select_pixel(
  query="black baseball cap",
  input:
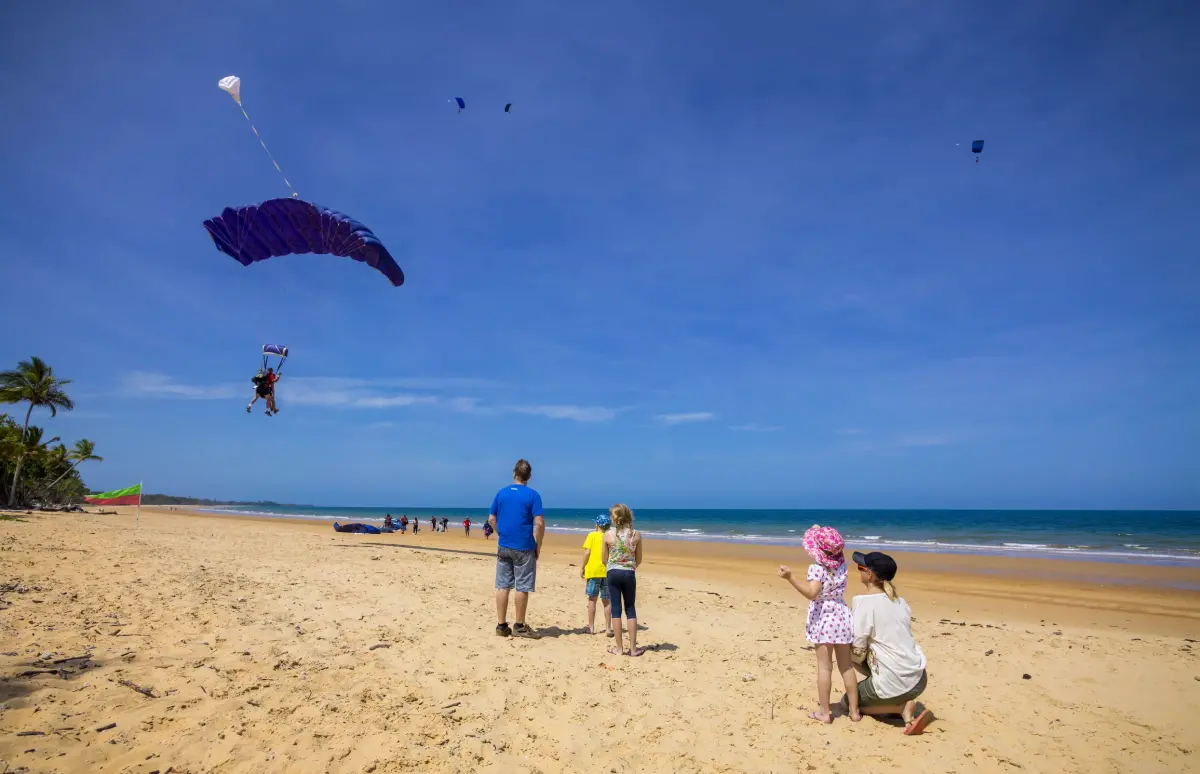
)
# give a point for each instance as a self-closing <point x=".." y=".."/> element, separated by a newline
<point x="882" y="565"/>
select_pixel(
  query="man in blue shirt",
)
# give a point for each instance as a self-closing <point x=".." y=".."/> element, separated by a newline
<point x="520" y="525"/>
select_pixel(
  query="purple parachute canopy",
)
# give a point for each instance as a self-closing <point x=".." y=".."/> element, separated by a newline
<point x="290" y="226"/>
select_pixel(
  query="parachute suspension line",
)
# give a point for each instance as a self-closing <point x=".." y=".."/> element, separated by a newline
<point x="265" y="148"/>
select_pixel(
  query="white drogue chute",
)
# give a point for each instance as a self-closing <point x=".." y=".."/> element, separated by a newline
<point x="233" y="85"/>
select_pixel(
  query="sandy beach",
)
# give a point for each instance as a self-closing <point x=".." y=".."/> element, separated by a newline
<point x="232" y="644"/>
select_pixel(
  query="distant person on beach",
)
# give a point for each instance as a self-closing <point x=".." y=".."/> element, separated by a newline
<point x="487" y="531"/>
<point x="516" y="515"/>
<point x="388" y="522"/>
<point x="416" y="525"/>
<point x="445" y="522"/>
<point x="830" y="625"/>
<point x="884" y="644"/>
<point x="622" y="553"/>
<point x="404" y="524"/>
<point x="433" y="523"/>
<point x="467" y="527"/>
<point x="595" y="574"/>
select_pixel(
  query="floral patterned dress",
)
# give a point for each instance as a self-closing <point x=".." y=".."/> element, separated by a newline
<point x="829" y="619"/>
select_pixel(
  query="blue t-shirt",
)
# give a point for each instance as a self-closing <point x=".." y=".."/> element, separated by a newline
<point x="514" y="508"/>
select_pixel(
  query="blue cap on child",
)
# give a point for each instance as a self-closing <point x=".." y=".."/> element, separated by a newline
<point x="603" y="521"/>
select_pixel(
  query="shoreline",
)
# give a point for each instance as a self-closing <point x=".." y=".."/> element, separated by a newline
<point x="1094" y="586"/>
<point x="1013" y="550"/>
<point x="208" y="642"/>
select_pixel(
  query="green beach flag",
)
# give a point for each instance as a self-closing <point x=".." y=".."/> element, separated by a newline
<point x="130" y="495"/>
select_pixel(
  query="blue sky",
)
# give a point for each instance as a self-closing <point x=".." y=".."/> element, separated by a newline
<point x="723" y="255"/>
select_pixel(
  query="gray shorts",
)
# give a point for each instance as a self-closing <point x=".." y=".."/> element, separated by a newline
<point x="515" y="569"/>
<point x="868" y="696"/>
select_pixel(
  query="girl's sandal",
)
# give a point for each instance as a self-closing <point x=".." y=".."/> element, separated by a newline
<point x="815" y="716"/>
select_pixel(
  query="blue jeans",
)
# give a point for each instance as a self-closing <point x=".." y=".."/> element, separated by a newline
<point x="516" y="569"/>
<point x="622" y="591"/>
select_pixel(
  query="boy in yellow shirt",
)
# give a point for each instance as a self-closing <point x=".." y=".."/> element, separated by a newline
<point x="595" y="573"/>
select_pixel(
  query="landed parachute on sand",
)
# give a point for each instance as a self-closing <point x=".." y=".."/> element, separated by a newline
<point x="280" y="227"/>
<point x="361" y="529"/>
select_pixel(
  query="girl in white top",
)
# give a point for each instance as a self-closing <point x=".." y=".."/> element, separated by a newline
<point x="883" y="641"/>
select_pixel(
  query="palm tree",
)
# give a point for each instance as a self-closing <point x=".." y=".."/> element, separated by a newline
<point x="32" y="382"/>
<point x="84" y="451"/>
<point x="30" y="445"/>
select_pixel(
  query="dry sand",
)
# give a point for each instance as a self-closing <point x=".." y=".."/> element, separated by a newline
<point x="272" y="646"/>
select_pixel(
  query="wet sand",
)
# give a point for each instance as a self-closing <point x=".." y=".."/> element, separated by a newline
<point x="268" y="645"/>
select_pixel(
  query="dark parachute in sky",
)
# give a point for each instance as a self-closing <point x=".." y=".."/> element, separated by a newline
<point x="977" y="148"/>
<point x="280" y="227"/>
<point x="508" y="108"/>
<point x="290" y="226"/>
<point x="462" y="104"/>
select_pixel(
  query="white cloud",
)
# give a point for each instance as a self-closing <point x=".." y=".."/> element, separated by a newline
<point x="885" y="446"/>
<point x="682" y="419"/>
<point x="421" y="383"/>
<point x="305" y="391"/>
<point x="156" y="385"/>
<point x="919" y="441"/>
<point x="573" y="413"/>
<point x="388" y="401"/>
<point x="338" y="392"/>
<point x="754" y="427"/>
<point x="84" y="414"/>
<point x="464" y="405"/>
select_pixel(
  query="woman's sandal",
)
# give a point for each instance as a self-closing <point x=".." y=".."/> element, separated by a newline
<point x="917" y="725"/>
<point x="816" y="716"/>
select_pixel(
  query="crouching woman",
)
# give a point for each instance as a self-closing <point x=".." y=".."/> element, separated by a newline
<point x="884" y="644"/>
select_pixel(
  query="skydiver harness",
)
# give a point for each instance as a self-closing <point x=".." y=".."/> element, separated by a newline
<point x="262" y="386"/>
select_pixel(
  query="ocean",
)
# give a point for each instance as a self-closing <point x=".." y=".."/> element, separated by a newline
<point x="1139" y="537"/>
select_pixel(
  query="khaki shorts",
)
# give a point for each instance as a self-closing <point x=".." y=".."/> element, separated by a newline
<point x="868" y="697"/>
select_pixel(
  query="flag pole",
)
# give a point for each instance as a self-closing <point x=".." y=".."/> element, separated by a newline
<point x="141" y="488"/>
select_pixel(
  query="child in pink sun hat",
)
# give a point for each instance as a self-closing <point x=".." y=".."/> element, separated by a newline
<point x="830" y="625"/>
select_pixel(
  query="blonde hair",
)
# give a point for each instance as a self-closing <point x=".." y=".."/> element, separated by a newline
<point x="887" y="587"/>
<point x="622" y="517"/>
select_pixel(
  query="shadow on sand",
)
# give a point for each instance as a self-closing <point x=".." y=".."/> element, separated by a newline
<point x="375" y="544"/>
